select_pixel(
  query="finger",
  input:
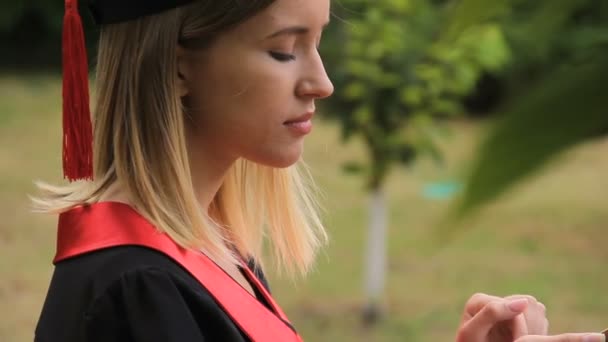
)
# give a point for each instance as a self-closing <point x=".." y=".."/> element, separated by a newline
<point x="475" y="304"/>
<point x="479" y="300"/>
<point x="536" y="320"/>
<point x="519" y="327"/>
<point x="478" y="327"/>
<point x="530" y="298"/>
<point x="535" y="315"/>
<point x="564" y="338"/>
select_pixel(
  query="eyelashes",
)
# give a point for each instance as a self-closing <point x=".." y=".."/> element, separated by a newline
<point x="282" y="57"/>
<point x="285" y="57"/>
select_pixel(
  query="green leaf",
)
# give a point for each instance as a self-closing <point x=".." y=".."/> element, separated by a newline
<point x="412" y="95"/>
<point x="400" y="6"/>
<point x="354" y="90"/>
<point x="559" y="113"/>
<point x="468" y="13"/>
<point x="425" y="137"/>
<point x="446" y="106"/>
<point x="376" y="50"/>
<point x="362" y="115"/>
<point x="492" y="52"/>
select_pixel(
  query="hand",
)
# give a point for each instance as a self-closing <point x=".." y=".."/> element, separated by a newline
<point x="494" y="319"/>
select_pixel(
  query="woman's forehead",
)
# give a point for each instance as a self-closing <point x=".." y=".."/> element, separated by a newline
<point x="310" y="14"/>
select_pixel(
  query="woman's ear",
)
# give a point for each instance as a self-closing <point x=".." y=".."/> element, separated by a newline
<point x="183" y="72"/>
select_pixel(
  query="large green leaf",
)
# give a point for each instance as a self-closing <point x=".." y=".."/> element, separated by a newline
<point x="558" y="113"/>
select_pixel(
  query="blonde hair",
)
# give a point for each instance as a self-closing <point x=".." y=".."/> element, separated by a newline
<point x="139" y="141"/>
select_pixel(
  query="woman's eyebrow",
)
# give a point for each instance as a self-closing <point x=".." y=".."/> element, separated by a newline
<point x="293" y="30"/>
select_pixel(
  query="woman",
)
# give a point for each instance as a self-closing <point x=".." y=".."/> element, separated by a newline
<point x="201" y="111"/>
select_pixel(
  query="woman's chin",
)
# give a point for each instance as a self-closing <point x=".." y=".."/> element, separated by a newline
<point x="281" y="161"/>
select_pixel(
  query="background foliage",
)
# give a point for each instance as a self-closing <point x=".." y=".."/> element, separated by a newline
<point x="559" y="71"/>
<point x="395" y="77"/>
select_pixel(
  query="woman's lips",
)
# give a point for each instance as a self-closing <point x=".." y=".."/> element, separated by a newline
<point x="304" y="117"/>
<point x="300" y="125"/>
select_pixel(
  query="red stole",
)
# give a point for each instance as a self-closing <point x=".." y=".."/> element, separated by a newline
<point x="109" y="224"/>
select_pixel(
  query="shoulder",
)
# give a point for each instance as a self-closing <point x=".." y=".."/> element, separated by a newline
<point x="158" y="301"/>
<point x="109" y="292"/>
<point x="117" y="260"/>
<point x="94" y="273"/>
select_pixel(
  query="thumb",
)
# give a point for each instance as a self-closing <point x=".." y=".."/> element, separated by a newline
<point x="564" y="338"/>
<point x="492" y="313"/>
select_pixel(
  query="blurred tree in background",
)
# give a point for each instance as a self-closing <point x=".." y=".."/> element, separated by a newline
<point x="395" y="80"/>
<point x="547" y="34"/>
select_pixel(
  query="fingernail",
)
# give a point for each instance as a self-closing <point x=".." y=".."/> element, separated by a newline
<point x="518" y="305"/>
<point x="594" y="338"/>
<point x="542" y="306"/>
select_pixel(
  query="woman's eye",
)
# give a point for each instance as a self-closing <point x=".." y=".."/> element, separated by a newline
<point x="282" y="57"/>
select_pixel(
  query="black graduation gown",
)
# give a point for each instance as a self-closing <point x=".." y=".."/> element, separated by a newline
<point x="130" y="293"/>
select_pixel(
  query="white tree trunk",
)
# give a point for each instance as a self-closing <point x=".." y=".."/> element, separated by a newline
<point x="376" y="255"/>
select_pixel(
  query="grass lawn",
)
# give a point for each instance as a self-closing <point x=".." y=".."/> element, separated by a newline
<point x="546" y="237"/>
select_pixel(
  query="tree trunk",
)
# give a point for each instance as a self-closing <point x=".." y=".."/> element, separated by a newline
<point x="376" y="256"/>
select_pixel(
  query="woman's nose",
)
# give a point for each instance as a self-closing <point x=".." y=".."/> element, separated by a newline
<point x="316" y="82"/>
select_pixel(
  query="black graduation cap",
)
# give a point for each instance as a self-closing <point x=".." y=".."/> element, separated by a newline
<point x="115" y="11"/>
<point x="77" y="128"/>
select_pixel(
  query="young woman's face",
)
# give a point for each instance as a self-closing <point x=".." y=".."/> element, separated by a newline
<point x="252" y="93"/>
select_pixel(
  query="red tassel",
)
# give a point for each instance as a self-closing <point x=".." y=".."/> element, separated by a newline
<point x="77" y="127"/>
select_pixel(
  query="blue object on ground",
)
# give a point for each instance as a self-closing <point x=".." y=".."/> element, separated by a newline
<point x="442" y="190"/>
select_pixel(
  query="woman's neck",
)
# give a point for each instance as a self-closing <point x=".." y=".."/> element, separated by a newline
<point x="115" y="193"/>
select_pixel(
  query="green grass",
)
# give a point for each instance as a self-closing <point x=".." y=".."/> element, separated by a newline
<point x="546" y="237"/>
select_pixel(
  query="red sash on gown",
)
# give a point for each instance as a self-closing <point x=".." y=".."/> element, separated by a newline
<point x="109" y="224"/>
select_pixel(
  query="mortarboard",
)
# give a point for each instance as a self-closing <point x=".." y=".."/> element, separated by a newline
<point x="77" y="127"/>
<point x="115" y="11"/>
